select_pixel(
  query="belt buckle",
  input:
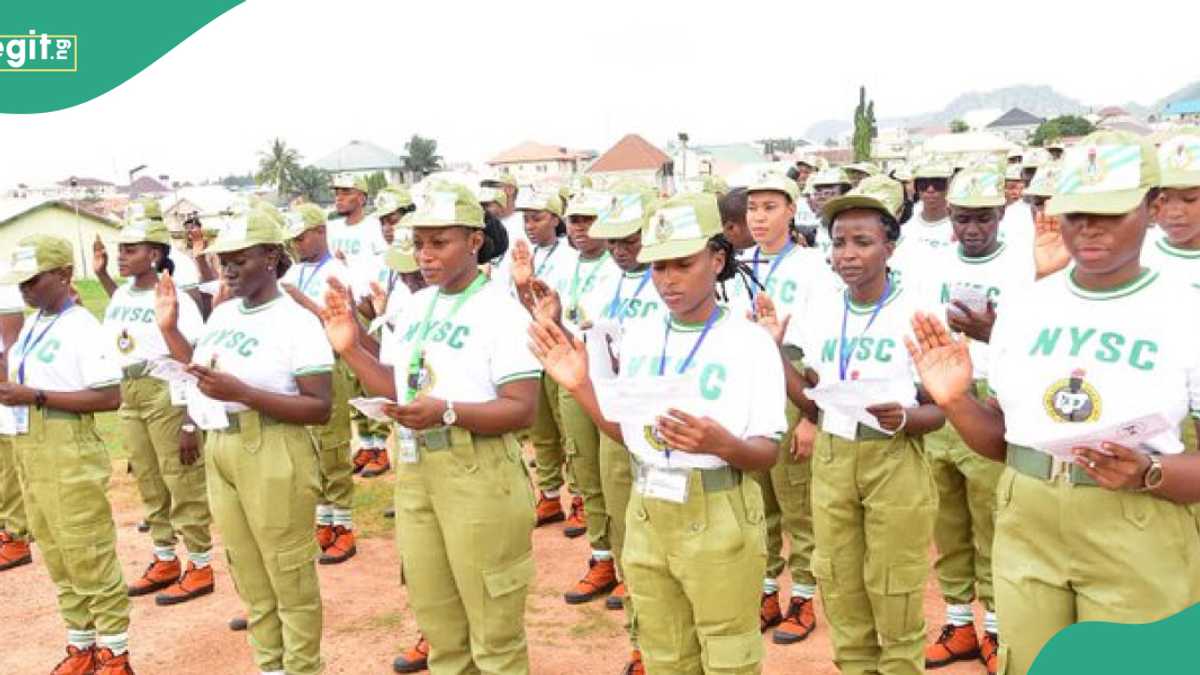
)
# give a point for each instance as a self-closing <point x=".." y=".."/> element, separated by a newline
<point x="1060" y="469"/>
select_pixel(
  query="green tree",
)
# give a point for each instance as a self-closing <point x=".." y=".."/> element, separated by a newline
<point x="422" y="158"/>
<point x="958" y="127"/>
<point x="312" y="183"/>
<point x="864" y="127"/>
<point x="1059" y="127"/>
<point x="375" y="182"/>
<point x="277" y="166"/>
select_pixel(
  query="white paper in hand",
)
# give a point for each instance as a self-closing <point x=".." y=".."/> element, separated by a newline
<point x="373" y="407"/>
<point x="639" y="401"/>
<point x="8" y="422"/>
<point x="1134" y="434"/>
<point x="603" y="341"/>
<point x="208" y="414"/>
<point x="974" y="298"/>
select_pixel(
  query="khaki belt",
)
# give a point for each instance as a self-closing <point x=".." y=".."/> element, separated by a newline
<point x="713" y="480"/>
<point x="434" y="440"/>
<point x="235" y="422"/>
<point x="136" y="370"/>
<point x="1043" y="466"/>
<point x="862" y="432"/>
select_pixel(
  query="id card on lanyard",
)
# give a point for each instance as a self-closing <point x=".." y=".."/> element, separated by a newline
<point x="21" y="413"/>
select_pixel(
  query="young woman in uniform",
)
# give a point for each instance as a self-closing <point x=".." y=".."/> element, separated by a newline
<point x="464" y="386"/>
<point x="1103" y="532"/>
<point x="59" y="376"/>
<point x="164" y="446"/>
<point x="263" y="480"/>
<point x="694" y="549"/>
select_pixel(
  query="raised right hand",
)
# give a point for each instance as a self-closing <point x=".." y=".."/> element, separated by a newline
<point x="341" y="326"/>
<point x="943" y="361"/>
<point x="563" y="357"/>
<point x="99" y="256"/>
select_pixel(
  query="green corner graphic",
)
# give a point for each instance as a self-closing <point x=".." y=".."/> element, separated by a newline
<point x="93" y="47"/>
<point x="1101" y="648"/>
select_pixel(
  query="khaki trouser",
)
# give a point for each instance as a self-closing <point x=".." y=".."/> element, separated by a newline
<point x="172" y="492"/>
<point x="464" y="518"/>
<point x="547" y="439"/>
<point x="1067" y="554"/>
<point x="262" y="483"/>
<point x="966" y="483"/>
<point x="875" y="508"/>
<point x="12" y="507"/>
<point x="616" y="477"/>
<point x="336" y="466"/>
<point x="583" y="453"/>
<point x="64" y="471"/>
<point x="695" y="572"/>
<point x="787" y="503"/>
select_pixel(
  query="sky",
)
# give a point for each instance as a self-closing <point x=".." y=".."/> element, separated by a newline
<point x="482" y="77"/>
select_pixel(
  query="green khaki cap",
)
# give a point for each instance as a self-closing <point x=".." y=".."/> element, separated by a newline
<point x="529" y="200"/>
<point x="391" y="199"/>
<point x="304" y="218"/>
<point x="1016" y="153"/>
<point x="145" y="207"/>
<point x="879" y="193"/>
<point x="831" y="176"/>
<point x="258" y="226"/>
<point x="626" y="213"/>
<point x="902" y="172"/>
<point x="1179" y="158"/>
<point x="1107" y="173"/>
<point x="1034" y="157"/>
<point x="680" y="227"/>
<point x="770" y="181"/>
<point x="349" y="181"/>
<point x="979" y="187"/>
<point x="863" y="167"/>
<point x="1013" y="172"/>
<point x="1045" y="180"/>
<point x="491" y="194"/>
<point x="447" y="205"/>
<point x="500" y="179"/>
<point x="35" y="254"/>
<point x="934" y="169"/>
<point x="144" y="224"/>
<point x="589" y="203"/>
<point x="401" y="255"/>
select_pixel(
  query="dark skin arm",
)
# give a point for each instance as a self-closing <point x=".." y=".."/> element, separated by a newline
<point x="82" y="401"/>
<point x="918" y="420"/>
<point x="514" y="408"/>
<point x="975" y="325"/>
<point x="688" y="433"/>
<point x="310" y="406"/>
<point x="100" y="266"/>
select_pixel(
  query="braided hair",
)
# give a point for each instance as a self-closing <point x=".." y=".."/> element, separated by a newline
<point x="732" y="268"/>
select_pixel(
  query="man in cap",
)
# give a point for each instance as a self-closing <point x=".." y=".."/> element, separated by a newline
<point x="826" y="184"/>
<point x="931" y="226"/>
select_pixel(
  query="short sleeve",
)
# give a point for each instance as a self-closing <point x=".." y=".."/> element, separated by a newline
<point x="389" y="346"/>
<point x="311" y="353"/>
<point x="97" y="360"/>
<point x="191" y="324"/>
<point x="10" y="300"/>
<point x="511" y="359"/>
<point x="292" y="275"/>
<point x="768" y="396"/>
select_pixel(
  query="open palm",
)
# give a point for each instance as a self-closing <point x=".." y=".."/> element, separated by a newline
<point x="943" y="362"/>
<point x="1049" y="251"/>
<point x="522" y="263"/>
<point x="166" y="303"/>
<point x="341" y="327"/>
<point x="561" y="355"/>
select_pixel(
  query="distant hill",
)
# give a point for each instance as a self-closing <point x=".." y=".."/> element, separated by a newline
<point x="1041" y="100"/>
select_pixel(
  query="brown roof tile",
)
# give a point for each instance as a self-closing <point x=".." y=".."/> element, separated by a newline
<point x="631" y="153"/>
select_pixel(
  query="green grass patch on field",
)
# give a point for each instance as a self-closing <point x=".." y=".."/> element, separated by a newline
<point x="371" y="497"/>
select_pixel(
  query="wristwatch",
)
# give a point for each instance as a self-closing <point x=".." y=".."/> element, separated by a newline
<point x="449" y="417"/>
<point x="1154" y="474"/>
<point x="189" y="428"/>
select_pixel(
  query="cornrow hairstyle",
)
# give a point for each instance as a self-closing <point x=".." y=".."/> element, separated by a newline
<point x="284" y="261"/>
<point x="732" y="268"/>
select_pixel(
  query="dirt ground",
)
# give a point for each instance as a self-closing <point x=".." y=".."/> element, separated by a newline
<point x="366" y="618"/>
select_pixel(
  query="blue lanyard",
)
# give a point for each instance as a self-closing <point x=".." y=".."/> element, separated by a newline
<point x="774" y="264"/>
<point x="26" y="348"/>
<point x="313" y="274"/>
<point x="616" y="301"/>
<point x="545" y="260"/>
<point x="844" y="353"/>
<point x="662" y="362"/>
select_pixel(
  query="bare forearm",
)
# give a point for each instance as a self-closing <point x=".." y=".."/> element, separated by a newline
<point x="292" y="408"/>
<point x="796" y="384"/>
<point x="492" y="418"/>
<point x="85" y="400"/>
<point x="178" y="345"/>
<point x="376" y="378"/>
<point x="1181" y="479"/>
<point x="923" y="419"/>
<point x="751" y="454"/>
<point x="106" y="282"/>
<point x="980" y="425"/>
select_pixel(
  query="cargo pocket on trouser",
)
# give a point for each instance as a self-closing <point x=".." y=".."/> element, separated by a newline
<point x="732" y="653"/>
<point x="296" y="577"/>
<point x="902" y="606"/>
<point x="506" y="587"/>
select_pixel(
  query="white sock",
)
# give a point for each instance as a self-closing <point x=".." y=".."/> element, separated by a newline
<point x="164" y="553"/>
<point x="273" y="672"/>
<point x="601" y="555"/>
<point x="550" y="494"/>
<point x="81" y="639"/>
<point x="341" y="517"/>
<point x="118" y="644"/>
<point x="324" y="514"/>
<point x="959" y="615"/>
<point x="989" y="623"/>
<point x="805" y="591"/>
<point x="770" y="586"/>
<point x="200" y="560"/>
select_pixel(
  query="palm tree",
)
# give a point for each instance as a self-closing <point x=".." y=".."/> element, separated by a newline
<point x="422" y="158"/>
<point x="278" y="166"/>
<point x="312" y="183"/>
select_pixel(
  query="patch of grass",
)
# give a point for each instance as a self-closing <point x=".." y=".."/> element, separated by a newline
<point x="392" y="622"/>
<point x="371" y="497"/>
<point x="93" y="296"/>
